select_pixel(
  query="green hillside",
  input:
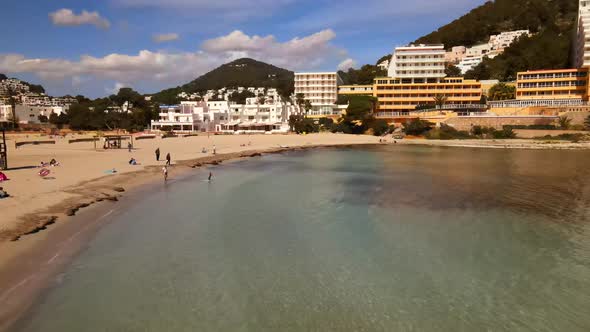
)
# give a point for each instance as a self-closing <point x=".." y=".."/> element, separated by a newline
<point x="244" y="72"/>
<point x="503" y="15"/>
<point x="551" y="21"/>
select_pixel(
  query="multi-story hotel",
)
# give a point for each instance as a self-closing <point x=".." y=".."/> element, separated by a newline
<point x="418" y="63"/>
<point x="321" y="89"/>
<point x="582" y="50"/>
<point x="553" y="84"/>
<point x="397" y="98"/>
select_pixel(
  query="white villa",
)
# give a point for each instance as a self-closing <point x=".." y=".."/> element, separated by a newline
<point x="30" y="113"/>
<point x="222" y="116"/>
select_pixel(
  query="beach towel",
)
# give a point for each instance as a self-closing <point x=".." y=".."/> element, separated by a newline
<point x="3" y="177"/>
<point x="44" y="172"/>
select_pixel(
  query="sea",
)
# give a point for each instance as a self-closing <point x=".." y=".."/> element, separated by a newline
<point x="384" y="238"/>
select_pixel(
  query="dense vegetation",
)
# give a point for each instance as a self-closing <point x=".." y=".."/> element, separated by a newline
<point x="548" y="49"/>
<point x="359" y="119"/>
<point x="424" y="128"/>
<point x="364" y="75"/>
<point x="502" y="91"/>
<point x="551" y="21"/>
<point x="95" y="115"/>
<point x="243" y="72"/>
<point x="496" y="16"/>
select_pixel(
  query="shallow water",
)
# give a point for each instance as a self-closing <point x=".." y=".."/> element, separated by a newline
<point x="379" y="239"/>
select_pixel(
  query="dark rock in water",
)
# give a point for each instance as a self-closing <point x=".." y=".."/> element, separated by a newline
<point x="197" y="165"/>
<point x="215" y="162"/>
<point x="112" y="198"/>
<point x="70" y="212"/>
<point x="119" y="189"/>
<point x="257" y="154"/>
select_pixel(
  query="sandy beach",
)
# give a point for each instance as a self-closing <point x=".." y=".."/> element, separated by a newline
<point x="81" y="178"/>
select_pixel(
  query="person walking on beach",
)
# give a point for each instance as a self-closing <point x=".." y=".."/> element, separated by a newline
<point x="158" y="154"/>
<point x="214" y="150"/>
<point x="165" y="173"/>
<point x="129" y="146"/>
<point x="168" y="159"/>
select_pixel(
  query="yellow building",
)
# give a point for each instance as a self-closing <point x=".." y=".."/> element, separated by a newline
<point x="398" y="96"/>
<point x="355" y="90"/>
<point x="552" y="84"/>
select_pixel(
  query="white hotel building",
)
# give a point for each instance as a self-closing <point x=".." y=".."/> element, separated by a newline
<point x="320" y="88"/>
<point x="582" y="51"/>
<point x="418" y="63"/>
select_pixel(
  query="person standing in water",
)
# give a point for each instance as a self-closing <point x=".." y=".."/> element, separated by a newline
<point x="168" y="159"/>
<point x="210" y="176"/>
<point x="214" y="150"/>
<point x="165" y="173"/>
<point x="158" y="154"/>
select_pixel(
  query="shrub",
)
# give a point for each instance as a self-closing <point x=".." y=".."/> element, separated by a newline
<point x="326" y="124"/>
<point x="380" y="127"/>
<point x="417" y="127"/>
<point x="446" y="132"/>
<point x="505" y="133"/>
<point x="306" y="126"/>
<point x="565" y="137"/>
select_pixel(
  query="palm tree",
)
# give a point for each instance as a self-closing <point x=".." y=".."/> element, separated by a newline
<point x="307" y="106"/>
<point x="440" y="100"/>
<point x="300" y="100"/>
<point x="564" y="122"/>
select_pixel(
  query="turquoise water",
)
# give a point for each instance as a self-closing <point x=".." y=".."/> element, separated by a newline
<point x="379" y="239"/>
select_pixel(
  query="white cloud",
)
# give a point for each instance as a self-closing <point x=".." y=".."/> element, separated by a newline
<point x="115" y="89"/>
<point x="66" y="17"/>
<point x="304" y="53"/>
<point x="165" y="37"/>
<point x="347" y="64"/>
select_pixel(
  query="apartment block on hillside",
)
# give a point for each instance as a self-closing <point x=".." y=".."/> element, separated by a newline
<point x="418" y="63"/>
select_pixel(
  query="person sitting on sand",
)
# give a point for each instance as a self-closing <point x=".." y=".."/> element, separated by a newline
<point x="203" y="150"/>
<point x="53" y="162"/>
<point x="132" y="161"/>
<point x="3" y="177"/>
<point x="3" y="193"/>
<point x="43" y="164"/>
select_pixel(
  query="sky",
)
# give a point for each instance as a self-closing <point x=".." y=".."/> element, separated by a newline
<point x="95" y="47"/>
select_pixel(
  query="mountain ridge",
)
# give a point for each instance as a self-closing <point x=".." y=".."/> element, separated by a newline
<point x="246" y="72"/>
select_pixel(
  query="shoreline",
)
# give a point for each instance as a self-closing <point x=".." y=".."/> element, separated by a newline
<point x="30" y="264"/>
<point x="109" y="188"/>
<point x="522" y="144"/>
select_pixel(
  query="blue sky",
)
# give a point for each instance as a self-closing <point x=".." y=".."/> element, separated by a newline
<point x="94" y="47"/>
